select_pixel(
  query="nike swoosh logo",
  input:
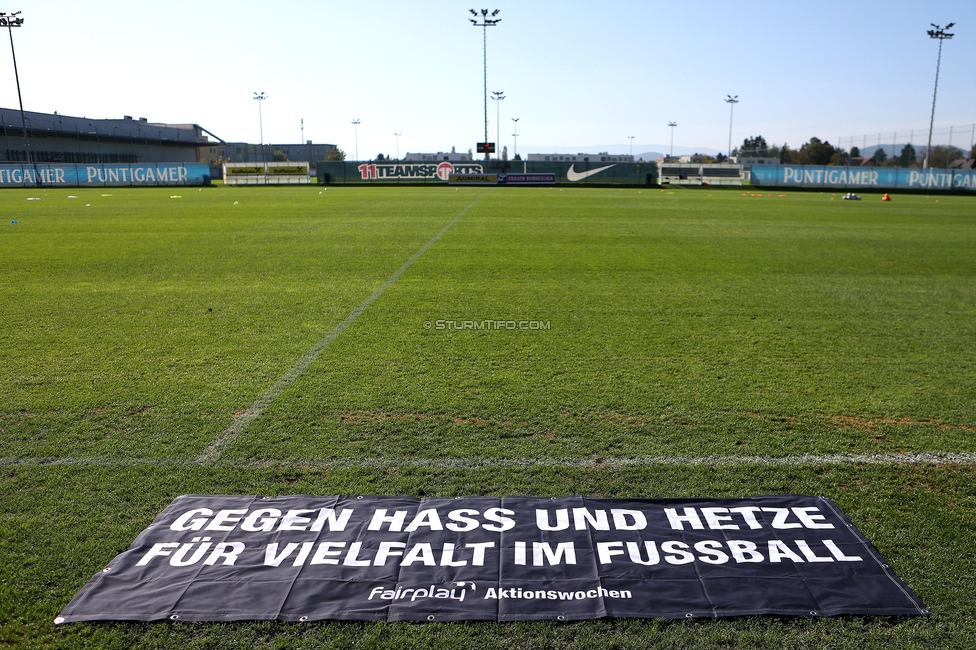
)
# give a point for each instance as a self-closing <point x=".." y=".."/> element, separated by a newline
<point x="572" y="175"/>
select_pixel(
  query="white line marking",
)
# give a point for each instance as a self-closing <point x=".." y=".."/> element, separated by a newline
<point x="922" y="458"/>
<point x="240" y="424"/>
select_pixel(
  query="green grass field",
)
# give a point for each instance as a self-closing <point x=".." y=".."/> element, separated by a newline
<point x="700" y="343"/>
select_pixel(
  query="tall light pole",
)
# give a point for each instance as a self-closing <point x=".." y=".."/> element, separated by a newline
<point x="631" y="138"/>
<point x="940" y="34"/>
<point x="260" y="98"/>
<point x="731" y="101"/>
<point x="497" y="96"/>
<point x="355" y="125"/>
<point x="485" y="23"/>
<point x="10" y="21"/>
<point x="672" y="125"/>
<point x="398" y="145"/>
<point x="515" y="135"/>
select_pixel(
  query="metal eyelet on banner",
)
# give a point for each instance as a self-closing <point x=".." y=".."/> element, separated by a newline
<point x="173" y="617"/>
<point x="560" y="618"/>
<point x="59" y="620"/>
<point x="813" y="613"/>
<point x="430" y="618"/>
<point x="303" y="619"/>
<point x="689" y="615"/>
<point x="106" y="569"/>
<point x="359" y="497"/>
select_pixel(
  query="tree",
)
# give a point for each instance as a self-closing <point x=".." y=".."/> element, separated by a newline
<point x="972" y="153"/>
<point x="335" y="153"/>
<point x="840" y="157"/>
<point x="879" y="156"/>
<point x="379" y="156"/>
<point x="787" y="155"/>
<point x="907" y="156"/>
<point x="754" y="147"/>
<point x="279" y="156"/>
<point x="855" y="152"/>
<point x="942" y="155"/>
<point x="452" y="150"/>
<point x="815" y="152"/>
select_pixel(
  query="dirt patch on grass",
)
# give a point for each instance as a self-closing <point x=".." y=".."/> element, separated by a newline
<point x="360" y="417"/>
<point x="354" y="417"/>
<point x="623" y="418"/>
<point x="871" y="424"/>
<point x="773" y="417"/>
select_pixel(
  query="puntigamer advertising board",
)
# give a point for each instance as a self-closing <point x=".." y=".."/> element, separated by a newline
<point x="103" y="175"/>
<point x="865" y="178"/>
<point x="301" y="558"/>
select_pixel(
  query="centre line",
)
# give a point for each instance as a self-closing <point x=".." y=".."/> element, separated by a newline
<point x="240" y="424"/>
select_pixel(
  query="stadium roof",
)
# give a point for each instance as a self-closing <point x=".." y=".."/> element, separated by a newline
<point x="127" y="127"/>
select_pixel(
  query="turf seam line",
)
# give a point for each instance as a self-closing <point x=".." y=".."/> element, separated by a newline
<point x="240" y="424"/>
<point x="922" y="458"/>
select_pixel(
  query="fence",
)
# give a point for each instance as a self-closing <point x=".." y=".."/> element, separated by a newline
<point x="892" y="142"/>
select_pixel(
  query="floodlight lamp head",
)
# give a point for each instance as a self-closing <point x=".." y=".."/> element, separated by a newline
<point x="495" y="13"/>
<point x="473" y="21"/>
<point x="484" y="12"/>
<point x="949" y="26"/>
<point x="473" y="12"/>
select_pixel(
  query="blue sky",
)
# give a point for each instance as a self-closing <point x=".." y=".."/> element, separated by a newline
<point x="576" y="74"/>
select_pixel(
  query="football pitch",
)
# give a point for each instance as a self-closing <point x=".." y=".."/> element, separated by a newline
<point x="437" y="341"/>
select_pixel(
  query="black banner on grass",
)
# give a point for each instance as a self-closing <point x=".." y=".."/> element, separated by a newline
<point x="298" y="558"/>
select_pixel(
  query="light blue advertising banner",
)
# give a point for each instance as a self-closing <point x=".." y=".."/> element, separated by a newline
<point x="104" y="175"/>
<point x="864" y="178"/>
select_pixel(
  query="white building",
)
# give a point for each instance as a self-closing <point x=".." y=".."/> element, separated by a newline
<point x="578" y="157"/>
<point x="700" y="174"/>
<point x="440" y="156"/>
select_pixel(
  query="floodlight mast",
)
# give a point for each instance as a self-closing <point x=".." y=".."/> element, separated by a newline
<point x="355" y="124"/>
<point x="940" y="34"/>
<point x="515" y="135"/>
<point x="398" y="144"/>
<point x="672" y="125"/>
<point x="485" y="23"/>
<point x="631" y="138"/>
<point x="10" y="21"/>
<point x="497" y="96"/>
<point x="260" y="97"/>
<point x="731" y="101"/>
